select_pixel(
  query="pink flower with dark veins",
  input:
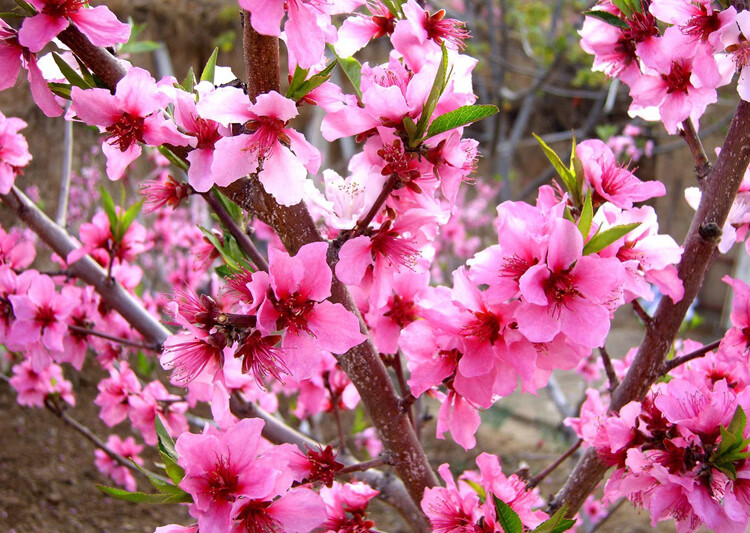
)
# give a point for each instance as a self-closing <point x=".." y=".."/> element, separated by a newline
<point x="279" y="155"/>
<point x="131" y="116"/>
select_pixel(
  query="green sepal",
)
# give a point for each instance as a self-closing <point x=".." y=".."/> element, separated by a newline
<point x="209" y="71"/>
<point x="507" y="517"/>
<point x="609" y="18"/>
<point x="460" y="117"/>
<point x="602" y="239"/>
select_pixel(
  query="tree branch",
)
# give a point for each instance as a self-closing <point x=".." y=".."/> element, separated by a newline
<point x="718" y="195"/>
<point x="681" y="360"/>
<point x="86" y="269"/>
<point x="702" y="164"/>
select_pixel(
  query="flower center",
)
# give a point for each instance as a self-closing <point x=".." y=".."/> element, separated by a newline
<point x="441" y="29"/>
<point x="678" y="79"/>
<point x="222" y="483"/>
<point x="126" y="132"/>
<point x="62" y="8"/>
<point x="402" y="312"/>
<point x="484" y="326"/>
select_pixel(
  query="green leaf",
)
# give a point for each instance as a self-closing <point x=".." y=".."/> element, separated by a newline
<point x="564" y="172"/>
<point x="460" y="117"/>
<point x="624" y="6"/>
<point x="353" y="71"/>
<point x="567" y="215"/>
<point x="602" y="239"/>
<point x="189" y="82"/>
<point x="135" y="497"/>
<point x="410" y="127"/>
<point x="739" y="420"/>
<point x="300" y="87"/>
<point x="556" y="523"/>
<point x="26" y="7"/>
<point x="164" y="438"/>
<point x="478" y="488"/>
<point x="70" y="74"/>
<point x="109" y="208"/>
<point x="172" y="157"/>
<point x="394" y="6"/>
<point x="438" y="86"/>
<point x="507" y="517"/>
<point x="60" y="89"/>
<point x="587" y="215"/>
<point x="609" y="18"/>
<point x="209" y="70"/>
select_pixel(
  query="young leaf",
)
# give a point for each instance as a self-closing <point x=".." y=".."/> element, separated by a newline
<point x="109" y="208"/>
<point x="233" y="209"/>
<point x="219" y="248"/>
<point x="609" y="18"/>
<point x="438" y="86"/>
<point x="172" y="157"/>
<point x="128" y="217"/>
<point x="563" y="171"/>
<point x="26" y="7"/>
<point x="70" y="74"/>
<point x="60" y="89"/>
<point x="300" y="87"/>
<point x="604" y="238"/>
<point x="189" y="82"/>
<point x="507" y="517"/>
<point x="164" y="438"/>
<point x="135" y="497"/>
<point x="556" y="523"/>
<point x="353" y="71"/>
<point x="587" y="215"/>
<point x="210" y="69"/>
<point x="140" y="47"/>
<point x="739" y="420"/>
<point x="460" y="117"/>
<point x="411" y="128"/>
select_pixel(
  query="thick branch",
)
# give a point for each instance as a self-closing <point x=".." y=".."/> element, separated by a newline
<point x="106" y="67"/>
<point x="86" y="269"/>
<point x="718" y="195"/>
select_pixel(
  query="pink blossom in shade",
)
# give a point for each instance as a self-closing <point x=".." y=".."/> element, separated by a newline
<point x="14" y="151"/>
<point x="281" y="166"/>
<point x="346" y="506"/>
<point x="420" y="35"/>
<point x="453" y="508"/>
<point x="131" y="116"/>
<point x="735" y="42"/>
<point x="13" y="56"/>
<point x="301" y="286"/>
<point x="299" y="510"/>
<point x="593" y="411"/>
<point x="99" y="24"/>
<point x="33" y="388"/>
<point x="571" y="293"/>
<point x="155" y="400"/>
<point x="736" y="340"/>
<point x="460" y="418"/>
<point x="16" y="251"/>
<point x="164" y="191"/>
<point x="680" y="80"/>
<point x="360" y="29"/>
<point x="115" y="393"/>
<point x="98" y="241"/>
<point x="220" y="467"/>
<point x="122" y="475"/>
<point x="510" y="489"/>
<point x="41" y="315"/>
<point x="698" y="19"/>
<point x="610" y="181"/>
<point x="430" y="356"/>
<point x="206" y="133"/>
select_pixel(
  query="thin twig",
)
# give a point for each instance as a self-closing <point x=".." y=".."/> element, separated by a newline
<point x="377" y="205"/>
<point x="407" y="397"/>
<point x="96" y="441"/>
<point x="67" y="173"/>
<point x="364" y="465"/>
<point x="336" y="415"/>
<point x="642" y="314"/>
<point x="702" y="164"/>
<point x="119" y="340"/>
<point x="242" y="238"/>
<point x="609" y="369"/>
<point x="533" y="482"/>
<point x="671" y="364"/>
<point x="610" y="511"/>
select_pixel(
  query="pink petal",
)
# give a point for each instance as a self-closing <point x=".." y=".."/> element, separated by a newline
<point x="354" y="258"/>
<point x="40" y="91"/>
<point x="336" y="329"/>
<point x="232" y="160"/>
<point x="40" y="29"/>
<point x="117" y="160"/>
<point x="299" y="511"/>
<point x="266" y="15"/>
<point x="10" y="58"/>
<point x="101" y="26"/>
<point x="96" y="107"/>
<point x="226" y="105"/>
<point x="275" y="106"/>
<point x="283" y="175"/>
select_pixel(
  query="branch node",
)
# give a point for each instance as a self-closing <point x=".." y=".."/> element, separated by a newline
<point x="710" y="232"/>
